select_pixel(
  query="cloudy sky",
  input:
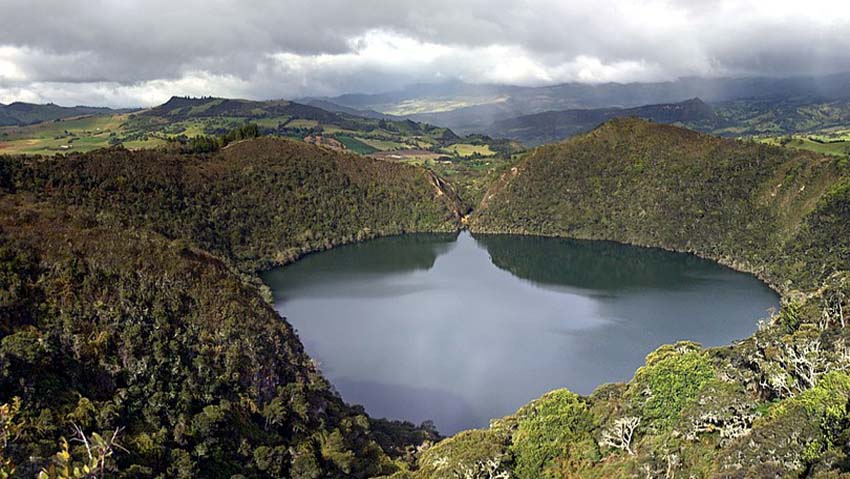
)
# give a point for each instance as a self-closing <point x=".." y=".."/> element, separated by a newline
<point x="138" y="53"/>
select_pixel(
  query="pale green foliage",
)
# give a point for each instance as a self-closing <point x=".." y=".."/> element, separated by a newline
<point x="10" y="427"/>
<point x="672" y="377"/>
<point x="827" y="401"/>
<point x="473" y="451"/>
<point x="99" y="451"/>
<point x="549" y="430"/>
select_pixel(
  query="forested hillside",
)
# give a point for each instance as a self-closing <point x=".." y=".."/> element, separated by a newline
<point x="129" y="303"/>
<point x="637" y="182"/>
<point x="258" y="202"/>
<point x="130" y="315"/>
<point x="773" y="405"/>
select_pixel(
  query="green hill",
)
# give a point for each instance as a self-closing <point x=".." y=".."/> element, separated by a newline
<point x="20" y="113"/>
<point x="182" y="118"/>
<point x="129" y="301"/>
<point x="638" y="182"/>
<point x="773" y="405"/>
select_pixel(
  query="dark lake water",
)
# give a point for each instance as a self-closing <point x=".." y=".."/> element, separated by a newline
<point x="461" y="329"/>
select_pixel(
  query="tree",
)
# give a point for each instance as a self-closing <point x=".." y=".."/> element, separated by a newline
<point x="10" y="427"/>
<point x="550" y="430"/>
<point x="99" y="450"/>
<point x="620" y="434"/>
<point x="490" y="468"/>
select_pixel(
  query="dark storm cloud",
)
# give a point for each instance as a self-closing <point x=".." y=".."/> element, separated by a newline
<point x="139" y="51"/>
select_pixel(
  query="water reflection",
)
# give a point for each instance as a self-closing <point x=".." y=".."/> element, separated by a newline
<point x="425" y="327"/>
<point x="349" y="266"/>
<point x="595" y="265"/>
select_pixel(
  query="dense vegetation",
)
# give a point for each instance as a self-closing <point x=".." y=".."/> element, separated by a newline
<point x="632" y="181"/>
<point x="773" y="405"/>
<point x="130" y="316"/>
<point x="129" y="304"/>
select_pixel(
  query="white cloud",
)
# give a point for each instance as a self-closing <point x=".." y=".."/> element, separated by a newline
<point x="140" y="52"/>
<point x="119" y="95"/>
<point x="10" y="59"/>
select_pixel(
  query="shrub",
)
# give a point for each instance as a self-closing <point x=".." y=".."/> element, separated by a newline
<point x="669" y="381"/>
<point x="549" y="429"/>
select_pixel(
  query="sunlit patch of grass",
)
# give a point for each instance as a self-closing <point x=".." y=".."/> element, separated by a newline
<point x="434" y="105"/>
<point x="330" y="130"/>
<point x="467" y="150"/>
<point x="384" y="145"/>
<point x="827" y="145"/>
<point x="301" y="123"/>
<point x="355" y="145"/>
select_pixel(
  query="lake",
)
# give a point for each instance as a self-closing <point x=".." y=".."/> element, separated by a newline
<point x="460" y="329"/>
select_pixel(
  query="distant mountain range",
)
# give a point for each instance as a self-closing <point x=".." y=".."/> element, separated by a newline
<point x="184" y="108"/>
<point x="330" y="106"/>
<point x="20" y="113"/>
<point x="539" y="128"/>
<point x="180" y="118"/>
<point x="468" y="108"/>
<point x="432" y="117"/>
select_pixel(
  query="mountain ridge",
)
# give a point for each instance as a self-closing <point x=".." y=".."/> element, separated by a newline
<point x="474" y="107"/>
<point x="22" y="113"/>
<point x="549" y="126"/>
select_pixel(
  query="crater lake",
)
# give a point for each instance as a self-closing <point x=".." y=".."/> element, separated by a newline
<point x="459" y="329"/>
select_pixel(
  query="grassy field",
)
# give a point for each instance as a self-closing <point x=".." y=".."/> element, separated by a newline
<point x="466" y="150"/>
<point x="90" y="133"/>
<point x="77" y="134"/>
<point x="335" y="130"/>
<point x="356" y="145"/>
<point x="826" y="144"/>
<point x="385" y="145"/>
<point x="299" y="123"/>
<point x="410" y="155"/>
